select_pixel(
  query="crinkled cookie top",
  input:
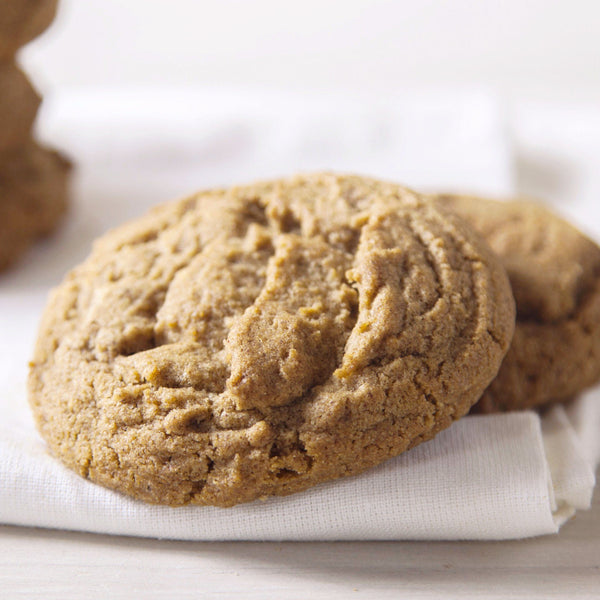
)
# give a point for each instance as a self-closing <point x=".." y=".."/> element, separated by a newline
<point x="258" y="340"/>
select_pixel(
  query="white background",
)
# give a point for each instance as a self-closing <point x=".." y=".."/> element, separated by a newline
<point x="542" y="49"/>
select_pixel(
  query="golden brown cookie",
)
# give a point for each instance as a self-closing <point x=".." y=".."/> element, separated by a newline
<point x="19" y="103"/>
<point x="258" y="340"/>
<point x="554" y="271"/>
<point x="33" y="194"/>
<point x="21" y="21"/>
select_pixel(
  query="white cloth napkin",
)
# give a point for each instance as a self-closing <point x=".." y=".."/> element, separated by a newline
<point x="494" y="477"/>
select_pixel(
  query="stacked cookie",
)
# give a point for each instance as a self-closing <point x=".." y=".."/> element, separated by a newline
<point x="554" y="271"/>
<point x="33" y="179"/>
<point x="258" y="340"/>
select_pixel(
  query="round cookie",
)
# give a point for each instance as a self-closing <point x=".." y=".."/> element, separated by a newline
<point x="256" y="341"/>
<point x="19" y="103"/>
<point x="33" y="195"/>
<point x="554" y="271"/>
<point x="21" y="21"/>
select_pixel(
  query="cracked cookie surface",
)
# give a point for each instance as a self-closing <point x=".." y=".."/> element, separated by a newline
<point x="554" y="271"/>
<point x="258" y="340"/>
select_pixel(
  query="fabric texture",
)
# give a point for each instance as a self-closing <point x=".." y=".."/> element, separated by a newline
<point x="486" y="477"/>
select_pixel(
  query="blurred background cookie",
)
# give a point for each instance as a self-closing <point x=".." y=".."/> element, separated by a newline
<point x="19" y="103"/>
<point x="554" y="272"/>
<point x="21" y="21"/>
<point x="33" y="197"/>
<point x="33" y="180"/>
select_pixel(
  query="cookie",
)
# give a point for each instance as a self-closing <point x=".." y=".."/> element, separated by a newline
<point x="21" y="21"/>
<point x="33" y="195"/>
<point x="258" y="340"/>
<point x="19" y="103"/>
<point x="554" y="271"/>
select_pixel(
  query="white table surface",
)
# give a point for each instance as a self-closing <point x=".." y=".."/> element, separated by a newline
<point x="59" y="565"/>
<point x="558" y="152"/>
